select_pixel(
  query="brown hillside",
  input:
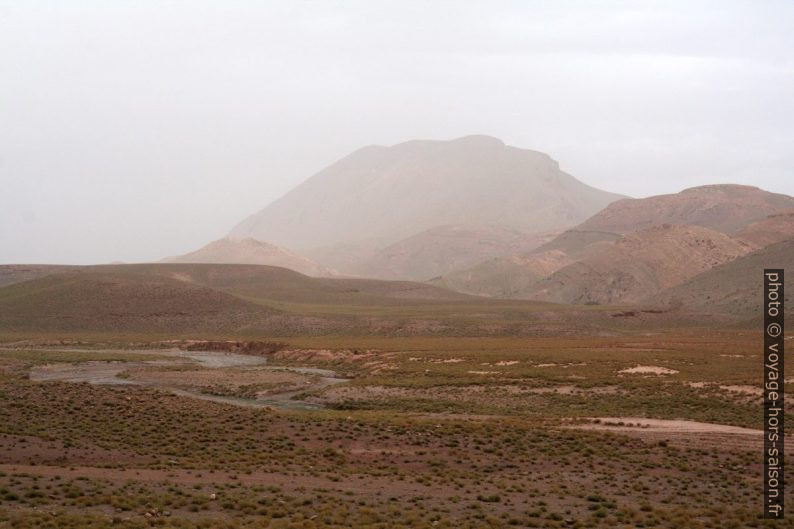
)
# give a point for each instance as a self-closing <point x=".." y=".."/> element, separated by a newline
<point x="735" y="287"/>
<point x="514" y="276"/>
<point x="640" y="264"/>
<point x="121" y="300"/>
<point x="267" y="283"/>
<point x="775" y="228"/>
<point x="201" y="298"/>
<point x="505" y="277"/>
<point x="250" y="251"/>
<point x="725" y="208"/>
<point x="755" y="217"/>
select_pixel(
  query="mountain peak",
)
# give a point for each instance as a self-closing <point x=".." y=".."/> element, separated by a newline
<point x="386" y="194"/>
<point x="479" y="139"/>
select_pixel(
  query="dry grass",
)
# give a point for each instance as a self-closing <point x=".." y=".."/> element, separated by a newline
<point x="499" y="453"/>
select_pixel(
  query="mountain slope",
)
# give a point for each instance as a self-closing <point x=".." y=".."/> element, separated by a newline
<point x="775" y="228"/>
<point x="202" y="298"/>
<point x="735" y="287"/>
<point x="251" y="251"/>
<point x="390" y="193"/>
<point x="514" y="276"/>
<point x="752" y="216"/>
<point x="638" y="265"/>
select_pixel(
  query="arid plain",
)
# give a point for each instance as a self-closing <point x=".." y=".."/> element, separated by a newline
<point x="363" y="403"/>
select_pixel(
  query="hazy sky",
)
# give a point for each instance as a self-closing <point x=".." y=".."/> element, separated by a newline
<point x="133" y="130"/>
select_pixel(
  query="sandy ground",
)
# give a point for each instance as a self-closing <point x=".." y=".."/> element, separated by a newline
<point x="663" y="425"/>
<point x="682" y="433"/>
<point x="649" y="370"/>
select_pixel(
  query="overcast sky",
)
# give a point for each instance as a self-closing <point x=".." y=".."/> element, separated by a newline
<point x="133" y="130"/>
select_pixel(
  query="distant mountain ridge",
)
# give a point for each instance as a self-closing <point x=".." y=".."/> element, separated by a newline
<point x="635" y="248"/>
<point x="724" y="207"/>
<point x="480" y="217"/>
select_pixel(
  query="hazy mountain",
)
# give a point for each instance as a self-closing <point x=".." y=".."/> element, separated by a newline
<point x="251" y="251"/>
<point x="390" y="193"/>
<point x="438" y="250"/>
<point x="513" y="276"/>
<point x="735" y="287"/>
<point x="347" y="258"/>
<point x="580" y="257"/>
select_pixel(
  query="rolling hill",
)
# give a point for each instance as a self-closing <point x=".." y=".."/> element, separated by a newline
<point x="10" y="274"/>
<point x="221" y="301"/>
<point x="251" y="251"/>
<point x="110" y="298"/>
<point x="198" y="298"/>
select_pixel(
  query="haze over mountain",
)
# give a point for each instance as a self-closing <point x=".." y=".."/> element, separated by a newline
<point x="514" y="276"/>
<point x="636" y="247"/>
<point x="438" y="250"/>
<point x="250" y="251"/>
<point x="380" y="195"/>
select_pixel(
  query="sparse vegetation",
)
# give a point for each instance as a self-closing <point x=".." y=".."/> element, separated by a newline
<point x="417" y="438"/>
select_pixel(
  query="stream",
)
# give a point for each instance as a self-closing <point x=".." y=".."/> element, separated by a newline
<point x="107" y="373"/>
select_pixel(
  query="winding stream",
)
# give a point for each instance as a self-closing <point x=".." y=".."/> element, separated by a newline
<point x="107" y="373"/>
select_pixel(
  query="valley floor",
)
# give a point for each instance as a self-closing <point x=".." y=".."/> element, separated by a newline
<point x="643" y="430"/>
